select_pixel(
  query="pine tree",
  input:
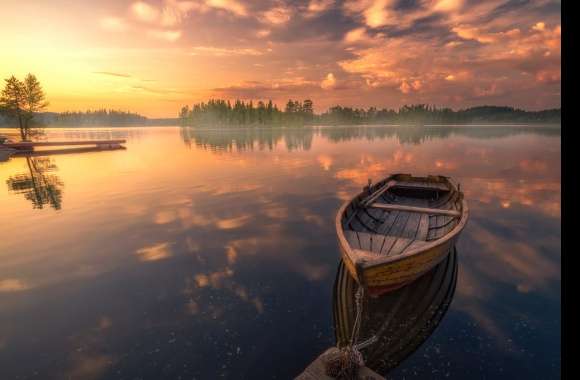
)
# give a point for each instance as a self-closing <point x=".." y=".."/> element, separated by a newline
<point x="34" y="100"/>
<point x="13" y="102"/>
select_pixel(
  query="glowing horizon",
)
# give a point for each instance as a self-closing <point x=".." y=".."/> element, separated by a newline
<point x="152" y="57"/>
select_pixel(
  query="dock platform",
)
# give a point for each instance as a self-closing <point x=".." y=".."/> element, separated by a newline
<point x="30" y="145"/>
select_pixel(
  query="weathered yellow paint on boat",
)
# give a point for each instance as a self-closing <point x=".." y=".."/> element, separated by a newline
<point x="407" y="269"/>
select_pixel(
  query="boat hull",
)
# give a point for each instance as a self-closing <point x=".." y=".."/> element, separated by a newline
<point x="385" y="278"/>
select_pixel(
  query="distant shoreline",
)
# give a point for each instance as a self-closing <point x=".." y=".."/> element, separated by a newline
<point x="221" y="114"/>
<point x="278" y="126"/>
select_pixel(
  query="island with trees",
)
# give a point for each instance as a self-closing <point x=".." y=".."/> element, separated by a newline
<point x="218" y="112"/>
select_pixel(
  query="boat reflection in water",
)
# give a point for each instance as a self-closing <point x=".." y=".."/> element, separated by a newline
<point x="401" y="320"/>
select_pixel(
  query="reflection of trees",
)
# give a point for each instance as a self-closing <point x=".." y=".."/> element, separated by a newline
<point x="418" y="135"/>
<point x="247" y="139"/>
<point x="37" y="185"/>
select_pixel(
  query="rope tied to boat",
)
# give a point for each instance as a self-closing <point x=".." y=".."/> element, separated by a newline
<point x="345" y="362"/>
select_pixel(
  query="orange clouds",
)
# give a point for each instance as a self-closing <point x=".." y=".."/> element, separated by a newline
<point x="168" y="35"/>
<point x="317" y="6"/>
<point x="328" y="82"/>
<point x="420" y="67"/>
<point x="356" y="35"/>
<point x="166" y="17"/>
<point x="222" y="52"/>
<point x="145" y="12"/>
<point x="278" y="15"/>
<point x="12" y="285"/>
<point x="407" y="87"/>
<point x="473" y="33"/>
<point x="155" y="252"/>
<point x="448" y="52"/>
<point x="447" y="5"/>
<point x="375" y="13"/>
<point x="115" y="24"/>
<point x="544" y="196"/>
<point x="392" y="70"/>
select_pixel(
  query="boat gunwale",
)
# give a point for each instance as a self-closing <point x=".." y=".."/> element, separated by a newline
<point x="359" y="261"/>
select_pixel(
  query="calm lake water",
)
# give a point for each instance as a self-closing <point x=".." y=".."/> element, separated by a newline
<point x="202" y="254"/>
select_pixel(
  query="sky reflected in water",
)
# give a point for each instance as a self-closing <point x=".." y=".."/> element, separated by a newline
<point x="211" y="253"/>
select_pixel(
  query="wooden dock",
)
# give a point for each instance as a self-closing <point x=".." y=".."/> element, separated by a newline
<point x="55" y="152"/>
<point x="30" y="145"/>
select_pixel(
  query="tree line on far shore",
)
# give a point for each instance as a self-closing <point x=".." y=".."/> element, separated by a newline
<point x="96" y="117"/>
<point x="427" y="114"/>
<point x="218" y="112"/>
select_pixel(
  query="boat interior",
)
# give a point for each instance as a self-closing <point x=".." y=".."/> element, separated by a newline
<point x="400" y="213"/>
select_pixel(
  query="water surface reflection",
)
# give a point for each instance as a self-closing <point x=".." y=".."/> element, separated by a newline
<point x="217" y="258"/>
<point x="301" y="138"/>
<point x="38" y="184"/>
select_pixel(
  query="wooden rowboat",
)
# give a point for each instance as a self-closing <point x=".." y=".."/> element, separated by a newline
<point x="399" y="228"/>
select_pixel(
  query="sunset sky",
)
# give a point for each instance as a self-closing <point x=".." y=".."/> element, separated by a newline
<point x="155" y="56"/>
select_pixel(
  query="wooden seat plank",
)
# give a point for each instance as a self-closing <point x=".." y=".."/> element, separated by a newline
<point x="422" y="185"/>
<point x="425" y="210"/>
<point x="378" y="193"/>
